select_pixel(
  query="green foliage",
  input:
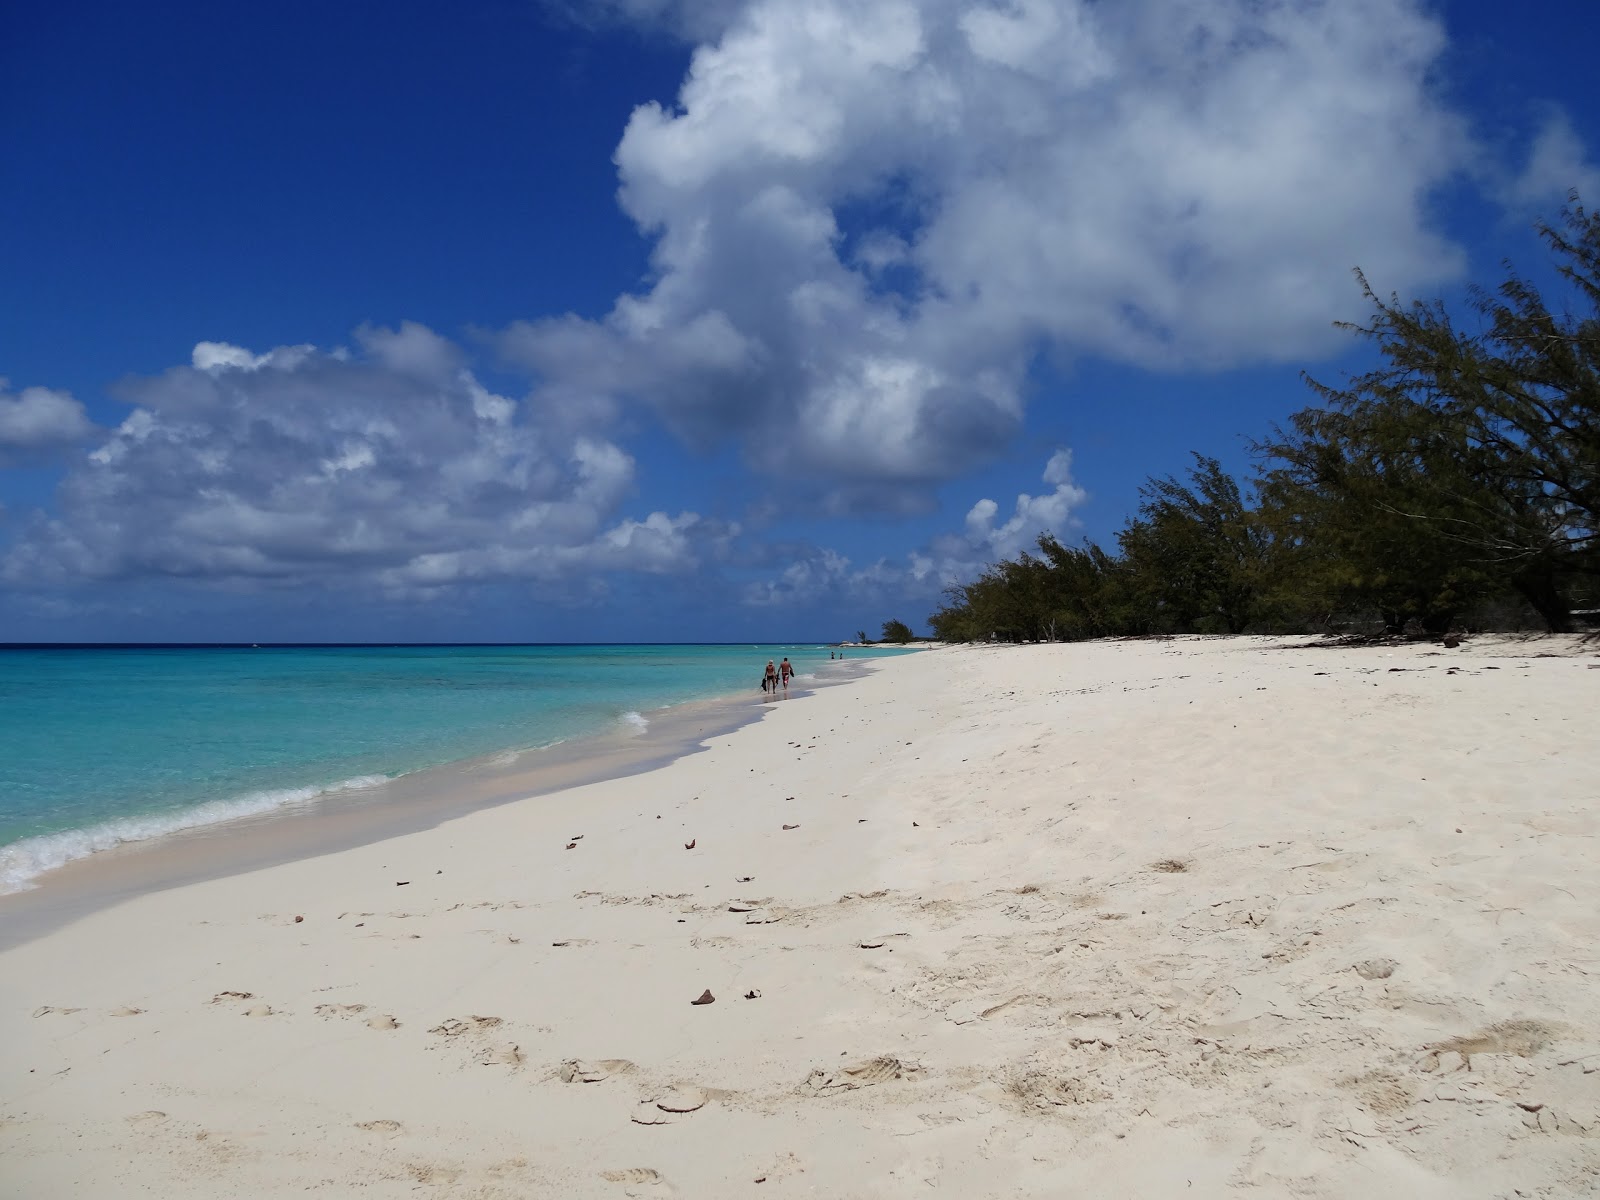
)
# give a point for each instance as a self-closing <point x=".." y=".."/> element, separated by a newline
<point x="1462" y="474"/>
<point x="861" y="636"/>
<point x="897" y="631"/>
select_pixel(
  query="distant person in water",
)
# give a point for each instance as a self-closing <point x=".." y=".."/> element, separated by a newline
<point x="788" y="673"/>
<point x="770" y="683"/>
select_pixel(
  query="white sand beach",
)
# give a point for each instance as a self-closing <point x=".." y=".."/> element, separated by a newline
<point x="1191" y="917"/>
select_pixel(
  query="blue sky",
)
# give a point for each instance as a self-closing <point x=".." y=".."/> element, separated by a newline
<point x="696" y="319"/>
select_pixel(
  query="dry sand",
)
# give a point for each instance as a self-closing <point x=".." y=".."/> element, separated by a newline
<point x="1176" y="918"/>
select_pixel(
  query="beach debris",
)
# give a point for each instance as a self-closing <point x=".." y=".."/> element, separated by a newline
<point x="705" y="998"/>
<point x="221" y="996"/>
<point x="690" y="844"/>
<point x="745" y="879"/>
<point x="791" y="827"/>
<point x="914" y="825"/>
<point x="572" y="845"/>
<point x="402" y="883"/>
<point x="741" y="906"/>
<point x="577" y="837"/>
<point x="379" y="1126"/>
<point x="753" y="994"/>
<point x="871" y="943"/>
<point x="1170" y="866"/>
<point x="1451" y="642"/>
<point x="685" y="1098"/>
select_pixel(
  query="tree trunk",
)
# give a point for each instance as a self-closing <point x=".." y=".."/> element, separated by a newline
<point x="1539" y="589"/>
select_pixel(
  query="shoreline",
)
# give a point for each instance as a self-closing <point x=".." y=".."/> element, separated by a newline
<point x="1182" y="917"/>
<point x="340" y="819"/>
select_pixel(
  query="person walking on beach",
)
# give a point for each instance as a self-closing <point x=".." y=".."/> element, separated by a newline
<point x="770" y="682"/>
<point x="787" y="672"/>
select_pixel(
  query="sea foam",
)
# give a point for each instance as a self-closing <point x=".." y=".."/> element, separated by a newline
<point x="634" y="722"/>
<point x="23" y="861"/>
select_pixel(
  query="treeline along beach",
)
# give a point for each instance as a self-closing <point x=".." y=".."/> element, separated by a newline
<point x="1457" y="483"/>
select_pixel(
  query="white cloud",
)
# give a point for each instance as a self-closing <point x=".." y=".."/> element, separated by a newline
<point x="1032" y="516"/>
<point x="870" y="218"/>
<point x="38" y="421"/>
<point x="1557" y="164"/>
<point x="390" y="463"/>
<point x="948" y="559"/>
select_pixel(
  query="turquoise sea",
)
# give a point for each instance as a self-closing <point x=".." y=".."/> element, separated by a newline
<point x="104" y="746"/>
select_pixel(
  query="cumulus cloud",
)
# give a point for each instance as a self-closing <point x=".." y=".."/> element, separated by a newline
<point x="388" y="462"/>
<point x="950" y="558"/>
<point x="39" y="422"/>
<point x="1032" y="516"/>
<point x="869" y="219"/>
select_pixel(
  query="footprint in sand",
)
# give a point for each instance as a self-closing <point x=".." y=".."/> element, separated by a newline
<point x="329" y="1011"/>
<point x="151" y="1116"/>
<point x="493" y="1054"/>
<point x="1522" y="1038"/>
<point x="681" y="1100"/>
<point x="593" y="1071"/>
<point x="126" y="1011"/>
<point x="259" y="1010"/>
<point x="46" y="1009"/>
<point x="863" y="1074"/>
<point x="632" y="1175"/>
<point x="382" y="1021"/>
<point x="640" y="1181"/>
<point x="685" y="1098"/>
<point x="224" y="997"/>
<point x="505" y="1054"/>
<point x="456" y="1026"/>
<point x="384" y="1126"/>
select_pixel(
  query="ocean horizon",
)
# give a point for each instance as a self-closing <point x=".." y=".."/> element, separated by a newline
<point x="103" y="744"/>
